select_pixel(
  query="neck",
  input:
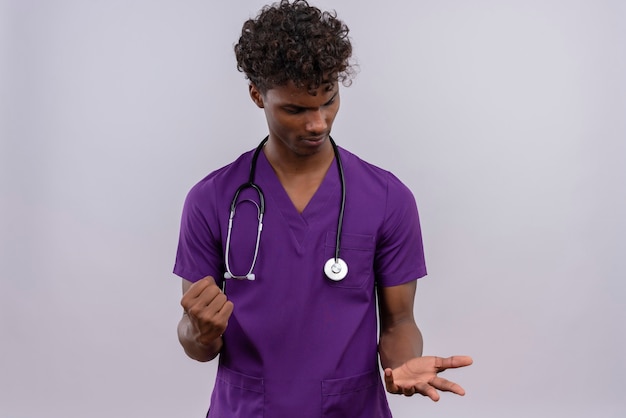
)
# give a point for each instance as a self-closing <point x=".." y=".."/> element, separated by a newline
<point x="287" y="163"/>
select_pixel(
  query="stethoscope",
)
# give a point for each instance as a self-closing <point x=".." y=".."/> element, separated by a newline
<point x="335" y="268"/>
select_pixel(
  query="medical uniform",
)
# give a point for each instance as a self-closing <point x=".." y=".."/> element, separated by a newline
<point x="297" y="343"/>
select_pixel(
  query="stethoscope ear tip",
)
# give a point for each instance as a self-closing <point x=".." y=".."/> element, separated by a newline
<point x="249" y="276"/>
<point x="335" y="269"/>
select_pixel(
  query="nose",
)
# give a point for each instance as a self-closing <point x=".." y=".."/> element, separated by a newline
<point x="316" y="121"/>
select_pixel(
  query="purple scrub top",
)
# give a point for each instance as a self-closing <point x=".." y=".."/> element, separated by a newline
<point x="297" y="343"/>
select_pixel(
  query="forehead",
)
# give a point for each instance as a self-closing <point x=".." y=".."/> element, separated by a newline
<point x="301" y="96"/>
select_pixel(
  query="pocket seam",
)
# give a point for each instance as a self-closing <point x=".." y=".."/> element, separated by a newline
<point x="369" y="379"/>
<point x="239" y="380"/>
<point x="359" y="245"/>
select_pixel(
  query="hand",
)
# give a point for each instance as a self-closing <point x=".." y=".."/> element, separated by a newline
<point x="419" y="375"/>
<point x="208" y="310"/>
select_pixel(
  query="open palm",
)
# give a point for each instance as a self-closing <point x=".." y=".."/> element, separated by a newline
<point x="420" y="375"/>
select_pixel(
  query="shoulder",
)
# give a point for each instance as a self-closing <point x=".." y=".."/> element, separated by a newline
<point x="377" y="180"/>
<point x="386" y="205"/>
<point x="221" y="179"/>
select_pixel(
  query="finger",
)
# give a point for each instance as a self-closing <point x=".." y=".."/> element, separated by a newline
<point x="427" y="390"/>
<point x="209" y="279"/>
<point x="197" y="289"/>
<point x="389" y="383"/>
<point x="452" y="362"/>
<point x="208" y="305"/>
<point x="210" y="323"/>
<point x="202" y="293"/>
<point x="224" y="313"/>
<point x="216" y="325"/>
<point x="201" y="285"/>
<point x="410" y="391"/>
<point x="447" y="386"/>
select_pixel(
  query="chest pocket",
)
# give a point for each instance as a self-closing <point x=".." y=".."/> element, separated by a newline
<point x="358" y="253"/>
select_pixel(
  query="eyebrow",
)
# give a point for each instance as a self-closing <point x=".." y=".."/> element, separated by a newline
<point x="296" y="107"/>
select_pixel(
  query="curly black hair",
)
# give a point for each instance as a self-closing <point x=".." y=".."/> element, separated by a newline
<point x="294" y="42"/>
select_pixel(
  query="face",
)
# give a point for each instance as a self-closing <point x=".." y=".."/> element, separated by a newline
<point x="299" y="120"/>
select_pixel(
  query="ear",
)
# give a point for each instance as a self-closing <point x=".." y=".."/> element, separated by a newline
<point x="256" y="95"/>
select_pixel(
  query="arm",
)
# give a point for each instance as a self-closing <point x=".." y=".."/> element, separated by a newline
<point x="205" y="318"/>
<point x="400" y="338"/>
<point x="400" y="348"/>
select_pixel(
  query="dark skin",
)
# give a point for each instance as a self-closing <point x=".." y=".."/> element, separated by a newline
<point x="205" y="318"/>
<point x="299" y="151"/>
<point x="207" y="310"/>
<point x="400" y="348"/>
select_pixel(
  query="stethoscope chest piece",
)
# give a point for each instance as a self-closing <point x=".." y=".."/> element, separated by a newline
<point x="336" y="269"/>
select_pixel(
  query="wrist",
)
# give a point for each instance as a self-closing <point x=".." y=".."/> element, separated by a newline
<point x="194" y="345"/>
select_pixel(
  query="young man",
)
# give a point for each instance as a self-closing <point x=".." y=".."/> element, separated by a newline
<point x="291" y="307"/>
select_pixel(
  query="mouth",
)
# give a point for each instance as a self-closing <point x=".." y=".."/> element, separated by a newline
<point x="315" y="140"/>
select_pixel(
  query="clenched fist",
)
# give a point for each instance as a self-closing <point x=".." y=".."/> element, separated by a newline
<point x="207" y="310"/>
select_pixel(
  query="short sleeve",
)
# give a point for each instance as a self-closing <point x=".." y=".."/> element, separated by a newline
<point x="399" y="253"/>
<point x="199" y="252"/>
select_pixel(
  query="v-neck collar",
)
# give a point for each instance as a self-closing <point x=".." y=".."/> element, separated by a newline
<point x="327" y="195"/>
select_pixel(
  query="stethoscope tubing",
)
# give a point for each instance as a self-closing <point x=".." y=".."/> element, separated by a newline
<point x="342" y="207"/>
<point x="335" y="268"/>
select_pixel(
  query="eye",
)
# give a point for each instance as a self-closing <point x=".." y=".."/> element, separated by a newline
<point x="293" y="110"/>
<point x="331" y="101"/>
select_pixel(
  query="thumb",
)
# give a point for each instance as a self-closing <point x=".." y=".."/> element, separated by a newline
<point x="389" y="378"/>
<point x="209" y="279"/>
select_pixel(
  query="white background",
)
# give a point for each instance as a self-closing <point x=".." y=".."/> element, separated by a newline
<point x="507" y="119"/>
